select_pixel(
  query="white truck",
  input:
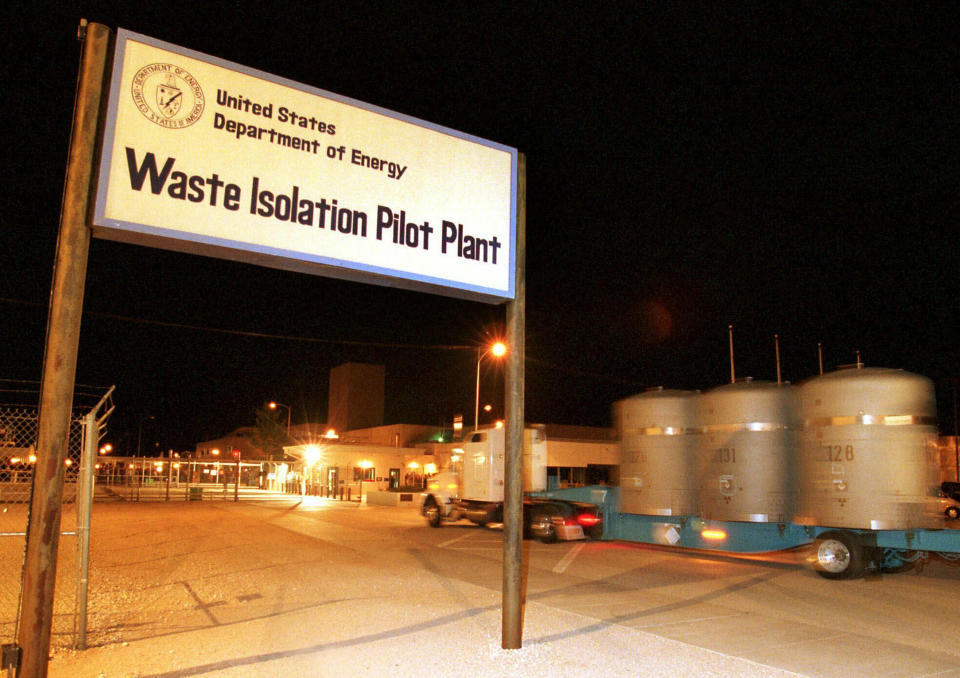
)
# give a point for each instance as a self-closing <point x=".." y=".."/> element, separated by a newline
<point x="472" y="487"/>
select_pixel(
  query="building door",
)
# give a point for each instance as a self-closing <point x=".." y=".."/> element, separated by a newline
<point x="394" y="479"/>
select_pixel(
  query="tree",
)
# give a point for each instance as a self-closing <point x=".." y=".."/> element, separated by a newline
<point x="270" y="434"/>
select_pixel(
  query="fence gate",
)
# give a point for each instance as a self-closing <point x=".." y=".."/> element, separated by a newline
<point x="18" y="436"/>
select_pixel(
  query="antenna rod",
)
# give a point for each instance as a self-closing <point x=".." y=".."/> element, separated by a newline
<point x="733" y="372"/>
<point x="820" y="354"/>
<point x="776" y="339"/>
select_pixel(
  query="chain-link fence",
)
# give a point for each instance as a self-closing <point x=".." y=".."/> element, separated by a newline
<point x="175" y="479"/>
<point x="18" y="435"/>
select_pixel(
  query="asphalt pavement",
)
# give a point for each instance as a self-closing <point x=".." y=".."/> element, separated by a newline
<point x="281" y="589"/>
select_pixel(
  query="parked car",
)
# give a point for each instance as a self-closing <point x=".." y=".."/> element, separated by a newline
<point x="950" y="508"/>
<point x="950" y="489"/>
<point x="950" y="500"/>
<point x="552" y="520"/>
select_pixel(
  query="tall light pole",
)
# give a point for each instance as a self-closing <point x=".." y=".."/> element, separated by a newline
<point x="274" y="405"/>
<point x="140" y="432"/>
<point x="498" y="349"/>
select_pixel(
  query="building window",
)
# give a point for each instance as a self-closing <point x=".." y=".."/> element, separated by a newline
<point x="365" y="473"/>
<point x="565" y="476"/>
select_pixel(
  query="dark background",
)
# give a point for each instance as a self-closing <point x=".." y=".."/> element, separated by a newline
<point x="784" y="168"/>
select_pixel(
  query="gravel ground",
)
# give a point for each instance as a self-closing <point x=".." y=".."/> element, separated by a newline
<point x="219" y="590"/>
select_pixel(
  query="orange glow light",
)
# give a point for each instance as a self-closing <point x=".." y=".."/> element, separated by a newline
<point x="714" y="535"/>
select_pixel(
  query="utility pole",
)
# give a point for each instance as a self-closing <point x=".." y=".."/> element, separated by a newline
<point x="512" y="617"/>
<point x="60" y="358"/>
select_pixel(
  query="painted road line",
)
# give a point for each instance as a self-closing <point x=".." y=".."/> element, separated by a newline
<point x="454" y="540"/>
<point x="564" y="563"/>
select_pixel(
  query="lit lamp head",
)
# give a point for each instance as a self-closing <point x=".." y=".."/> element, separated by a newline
<point x="311" y="455"/>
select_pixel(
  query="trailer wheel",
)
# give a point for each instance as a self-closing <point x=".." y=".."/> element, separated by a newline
<point x="952" y="513"/>
<point x="431" y="512"/>
<point x="838" y="555"/>
<point x="546" y="530"/>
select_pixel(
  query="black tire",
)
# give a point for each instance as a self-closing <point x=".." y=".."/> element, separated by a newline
<point x="547" y="530"/>
<point x="838" y="555"/>
<point x="431" y="511"/>
<point x="952" y="512"/>
<point x="550" y="535"/>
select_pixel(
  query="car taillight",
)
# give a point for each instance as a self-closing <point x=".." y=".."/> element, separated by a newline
<point x="588" y="519"/>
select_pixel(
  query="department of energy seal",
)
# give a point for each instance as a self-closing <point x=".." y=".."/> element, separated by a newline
<point x="167" y="95"/>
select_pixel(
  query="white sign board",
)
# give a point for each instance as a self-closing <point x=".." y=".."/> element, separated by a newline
<point x="206" y="156"/>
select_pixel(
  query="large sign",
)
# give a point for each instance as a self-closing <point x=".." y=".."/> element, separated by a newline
<point x="206" y="156"/>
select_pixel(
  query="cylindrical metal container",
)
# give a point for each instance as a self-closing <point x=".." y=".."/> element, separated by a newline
<point x="868" y="455"/>
<point x="656" y="459"/>
<point x="748" y="432"/>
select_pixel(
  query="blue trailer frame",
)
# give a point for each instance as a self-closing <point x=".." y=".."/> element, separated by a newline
<point x="892" y="548"/>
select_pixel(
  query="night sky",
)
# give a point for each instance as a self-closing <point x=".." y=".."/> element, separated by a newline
<point x="787" y="169"/>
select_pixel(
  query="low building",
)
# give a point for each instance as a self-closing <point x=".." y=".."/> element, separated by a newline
<point x="330" y="467"/>
<point x="240" y="439"/>
<point x="581" y="455"/>
<point x="949" y="455"/>
<point x="327" y="460"/>
<point x="403" y="456"/>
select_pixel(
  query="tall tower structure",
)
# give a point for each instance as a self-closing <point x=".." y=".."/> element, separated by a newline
<point x="356" y="396"/>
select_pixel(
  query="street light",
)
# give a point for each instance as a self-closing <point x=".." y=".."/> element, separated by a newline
<point x="498" y="350"/>
<point x="311" y="455"/>
<point x="140" y="432"/>
<point x="274" y="405"/>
